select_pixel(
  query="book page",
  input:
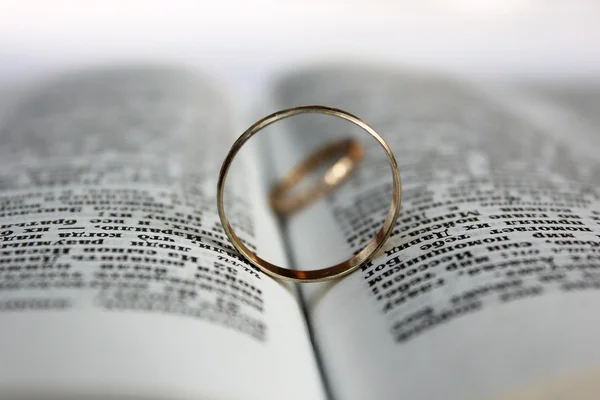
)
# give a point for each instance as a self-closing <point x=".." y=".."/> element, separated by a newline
<point x="116" y="277"/>
<point x="488" y="286"/>
<point x="582" y="99"/>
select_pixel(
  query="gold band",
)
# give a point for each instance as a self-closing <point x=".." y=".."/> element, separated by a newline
<point x="284" y="204"/>
<point x="334" y="271"/>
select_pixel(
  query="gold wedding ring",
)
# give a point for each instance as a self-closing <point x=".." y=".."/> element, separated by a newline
<point x="284" y="203"/>
<point x="334" y="271"/>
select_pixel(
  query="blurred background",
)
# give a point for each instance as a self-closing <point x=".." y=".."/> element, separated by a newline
<point x="246" y="41"/>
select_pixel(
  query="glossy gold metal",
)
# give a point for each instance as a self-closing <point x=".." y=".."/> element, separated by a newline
<point x="285" y="204"/>
<point x="335" y="271"/>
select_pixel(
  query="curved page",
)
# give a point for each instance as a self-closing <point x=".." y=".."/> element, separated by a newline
<point x="488" y="284"/>
<point x="116" y="278"/>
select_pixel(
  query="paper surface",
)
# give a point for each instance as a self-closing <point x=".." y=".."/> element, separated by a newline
<point x="115" y="277"/>
<point x="487" y="283"/>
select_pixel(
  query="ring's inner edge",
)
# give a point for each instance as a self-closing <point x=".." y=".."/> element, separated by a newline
<point x="345" y="267"/>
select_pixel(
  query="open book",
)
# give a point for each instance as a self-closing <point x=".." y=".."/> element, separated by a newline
<point x="117" y="280"/>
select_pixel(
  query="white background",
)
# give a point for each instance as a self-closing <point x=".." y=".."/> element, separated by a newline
<point x="245" y="41"/>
